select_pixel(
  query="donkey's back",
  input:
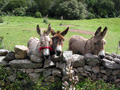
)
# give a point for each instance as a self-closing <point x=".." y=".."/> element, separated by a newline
<point x="33" y="43"/>
<point x="77" y="43"/>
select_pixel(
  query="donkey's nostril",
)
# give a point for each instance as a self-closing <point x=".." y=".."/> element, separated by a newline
<point x="101" y="56"/>
<point x="58" y="53"/>
<point x="46" y="56"/>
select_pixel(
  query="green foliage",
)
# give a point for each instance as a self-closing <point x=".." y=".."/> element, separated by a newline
<point x="15" y="4"/>
<point x="88" y="84"/>
<point x="90" y="16"/>
<point x="20" y="11"/>
<point x="71" y="10"/>
<point x="44" y="6"/>
<point x="38" y="15"/>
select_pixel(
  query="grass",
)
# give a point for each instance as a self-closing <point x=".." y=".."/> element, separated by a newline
<point x="18" y="30"/>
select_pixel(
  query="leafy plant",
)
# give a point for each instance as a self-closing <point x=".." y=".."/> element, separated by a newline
<point x="38" y="15"/>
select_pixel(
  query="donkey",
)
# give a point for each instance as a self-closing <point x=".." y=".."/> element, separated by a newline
<point x="40" y="47"/>
<point x="95" y="45"/>
<point x="57" y="41"/>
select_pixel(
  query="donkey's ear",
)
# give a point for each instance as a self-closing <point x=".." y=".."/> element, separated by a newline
<point x="49" y="29"/>
<point x="98" y="31"/>
<point x="103" y="33"/>
<point x="53" y="32"/>
<point x="65" y="32"/>
<point x="38" y="30"/>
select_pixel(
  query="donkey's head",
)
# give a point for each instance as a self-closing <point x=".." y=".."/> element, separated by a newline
<point x="57" y="40"/>
<point x="98" y="42"/>
<point x="44" y="41"/>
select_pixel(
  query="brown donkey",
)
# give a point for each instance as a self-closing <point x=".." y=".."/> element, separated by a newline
<point x="95" y="45"/>
<point x="40" y="47"/>
<point x="57" y="41"/>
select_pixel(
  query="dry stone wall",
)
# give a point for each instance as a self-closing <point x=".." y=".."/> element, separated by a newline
<point x="54" y="69"/>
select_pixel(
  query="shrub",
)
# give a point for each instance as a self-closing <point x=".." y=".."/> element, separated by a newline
<point x="45" y="21"/>
<point x="38" y="15"/>
<point x="20" y="11"/>
<point x="90" y="16"/>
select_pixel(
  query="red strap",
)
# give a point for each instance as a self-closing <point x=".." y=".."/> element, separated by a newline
<point x="45" y="48"/>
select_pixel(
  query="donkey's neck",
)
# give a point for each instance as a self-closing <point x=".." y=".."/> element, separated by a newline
<point x="88" y="46"/>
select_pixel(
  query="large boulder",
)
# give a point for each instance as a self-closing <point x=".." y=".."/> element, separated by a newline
<point x="25" y="63"/>
<point x="110" y="64"/>
<point x="20" y="51"/>
<point x="78" y="60"/>
<point x="3" y="52"/>
<point x="91" y="60"/>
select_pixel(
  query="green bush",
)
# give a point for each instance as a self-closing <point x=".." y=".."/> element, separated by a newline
<point x="38" y="15"/>
<point x="20" y="11"/>
<point x="90" y="16"/>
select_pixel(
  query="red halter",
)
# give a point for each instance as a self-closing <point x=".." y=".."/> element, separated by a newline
<point x="45" y="48"/>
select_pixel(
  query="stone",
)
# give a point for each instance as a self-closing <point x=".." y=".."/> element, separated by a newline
<point x="91" y="59"/>
<point x="47" y="73"/>
<point x="116" y="60"/>
<point x="80" y="69"/>
<point x="67" y="55"/>
<point x="39" y="70"/>
<point x="57" y="58"/>
<point x="109" y="72"/>
<point x="76" y="71"/>
<point x="96" y="69"/>
<point x="84" y="74"/>
<point x="29" y="70"/>
<point x="3" y="52"/>
<point x="87" y="68"/>
<point x="110" y="64"/>
<point x="118" y="56"/>
<point x="48" y="63"/>
<point x="108" y="54"/>
<point x="103" y="71"/>
<point x="56" y="72"/>
<point x="12" y="77"/>
<point x="34" y="76"/>
<point x="105" y="77"/>
<point x="60" y="65"/>
<point x="2" y="61"/>
<point x="109" y="57"/>
<point x="50" y="79"/>
<point x="93" y="76"/>
<point x="117" y="81"/>
<point x="10" y="56"/>
<point x="25" y="63"/>
<point x="20" y="51"/>
<point x="114" y="55"/>
<point x="78" y="60"/>
<point x="115" y="72"/>
<point x="36" y="58"/>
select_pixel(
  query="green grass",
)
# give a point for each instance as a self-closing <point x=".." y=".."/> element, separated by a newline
<point x="18" y="30"/>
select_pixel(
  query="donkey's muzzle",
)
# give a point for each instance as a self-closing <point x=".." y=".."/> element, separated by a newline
<point x="101" y="56"/>
<point x="58" y="53"/>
